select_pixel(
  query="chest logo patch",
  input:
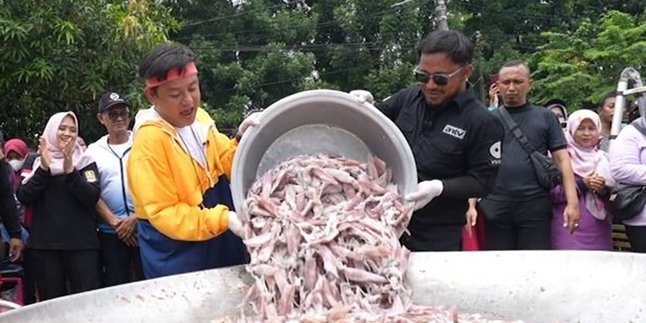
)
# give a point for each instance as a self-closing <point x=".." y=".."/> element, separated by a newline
<point x="495" y="151"/>
<point x="90" y="176"/>
<point x="454" y="131"/>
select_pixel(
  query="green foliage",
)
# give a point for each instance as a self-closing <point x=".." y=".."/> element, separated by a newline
<point x="581" y="67"/>
<point x="62" y="55"/>
<point x="253" y="54"/>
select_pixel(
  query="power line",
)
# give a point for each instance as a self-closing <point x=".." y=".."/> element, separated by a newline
<point x="327" y="23"/>
<point x="233" y="15"/>
<point x="304" y="47"/>
<point x="356" y="67"/>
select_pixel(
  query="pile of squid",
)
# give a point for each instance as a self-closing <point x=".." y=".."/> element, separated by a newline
<point x="322" y="233"/>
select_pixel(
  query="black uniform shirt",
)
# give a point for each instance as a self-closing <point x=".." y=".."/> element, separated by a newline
<point x="64" y="215"/>
<point x="542" y="129"/>
<point x="459" y="144"/>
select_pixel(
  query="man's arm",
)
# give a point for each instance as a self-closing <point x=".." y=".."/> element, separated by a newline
<point x="472" y="214"/>
<point x="571" y="214"/>
<point x="106" y="214"/>
<point x="483" y="154"/>
<point x="392" y="105"/>
<point x="9" y="212"/>
<point x="483" y="158"/>
<point x="156" y="195"/>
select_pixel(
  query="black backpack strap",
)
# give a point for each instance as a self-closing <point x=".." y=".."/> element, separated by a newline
<point x="639" y="125"/>
<point x="513" y="127"/>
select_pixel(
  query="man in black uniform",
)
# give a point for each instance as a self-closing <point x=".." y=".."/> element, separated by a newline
<point x="518" y="211"/>
<point x="455" y="141"/>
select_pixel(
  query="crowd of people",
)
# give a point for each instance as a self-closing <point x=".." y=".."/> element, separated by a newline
<point x="134" y="205"/>
<point x="155" y="200"/>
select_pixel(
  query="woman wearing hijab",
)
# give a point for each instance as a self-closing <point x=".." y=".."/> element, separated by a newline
<point x="557" y="106"/>
<point x="63" y="189"/>
<point x="592" y="172"/>
<point x="15" y="151"/>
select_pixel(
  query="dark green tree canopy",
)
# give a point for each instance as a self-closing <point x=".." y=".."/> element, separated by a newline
<point x="62" y="54"/>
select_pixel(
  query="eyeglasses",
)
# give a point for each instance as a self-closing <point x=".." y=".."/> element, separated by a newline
<point x="115" y="115"/>
<point x="439" y="79"/>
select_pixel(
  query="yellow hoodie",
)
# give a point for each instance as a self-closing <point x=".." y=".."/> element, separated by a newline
<point x="167" y="184"/>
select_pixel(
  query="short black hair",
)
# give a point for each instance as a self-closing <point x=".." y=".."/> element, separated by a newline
<point x="453" y="43"/>
<point x="165" y="57"/>
<point x="516" y="62"/>
<point x="608" y="95"/>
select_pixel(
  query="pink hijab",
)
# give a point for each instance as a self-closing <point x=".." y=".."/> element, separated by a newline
<point x="584" y="159"/>
<point x="79" y="158"/>
<point x="588" y="160"/>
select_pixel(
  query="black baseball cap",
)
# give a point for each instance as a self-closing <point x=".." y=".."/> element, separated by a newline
<point x="109" y="100"/>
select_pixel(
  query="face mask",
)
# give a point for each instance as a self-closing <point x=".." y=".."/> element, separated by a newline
<point x="16" y="164"/>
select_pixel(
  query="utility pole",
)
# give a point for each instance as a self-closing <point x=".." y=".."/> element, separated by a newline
<point x="441" y="15"/>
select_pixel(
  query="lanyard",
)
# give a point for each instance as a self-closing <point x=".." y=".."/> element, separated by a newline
<point x="122" y="172"/>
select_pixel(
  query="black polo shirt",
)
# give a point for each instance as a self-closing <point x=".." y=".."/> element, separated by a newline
<point x="542" y="129"/>
<point x="459" y="144"/>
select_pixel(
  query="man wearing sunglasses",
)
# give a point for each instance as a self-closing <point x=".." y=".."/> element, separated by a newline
<point x="455" y="141"/>
<point x="117" y="234"/>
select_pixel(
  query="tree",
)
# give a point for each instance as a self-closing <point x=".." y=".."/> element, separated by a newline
<point x="250" y="55"/>
<point x="581" y="67"/>
<point x="510" y="29"/>
<point x="257" y="52"/>
<point x="61" y="55"/>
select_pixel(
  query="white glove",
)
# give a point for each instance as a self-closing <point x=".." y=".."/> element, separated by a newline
<point x="235" y="225"/>
<point x="363" y="96"/>
<point x="252" y="120"/>
<point x="426" y="192"/>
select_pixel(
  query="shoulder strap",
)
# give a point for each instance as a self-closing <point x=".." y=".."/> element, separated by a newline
<point x="639" y="126"/>
<point x="513" y="127"/>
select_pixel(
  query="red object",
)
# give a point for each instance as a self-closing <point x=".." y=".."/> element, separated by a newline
<point x="17" y="284"/>
<point x="476" y="240"/>
<point x="27" y="216"/>
<point x="493" y="78"/>
<point x="173" y="74"/>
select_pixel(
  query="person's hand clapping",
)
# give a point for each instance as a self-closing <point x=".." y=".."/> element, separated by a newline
<point x="68" y="147"/>
<point x="45" y="157"/>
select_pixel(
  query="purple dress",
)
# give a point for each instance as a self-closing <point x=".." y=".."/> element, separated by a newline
<point x="592" y="234"/>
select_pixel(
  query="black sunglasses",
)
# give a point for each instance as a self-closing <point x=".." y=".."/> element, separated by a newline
<point x="440" y="79"/>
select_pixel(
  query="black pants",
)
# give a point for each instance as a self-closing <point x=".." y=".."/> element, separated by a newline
<point x="440" y="238"/>
<point x="518" y="225"/>
<point x="54" y="269"/>
<point x="637" y="237"/>
<point x="121" y="263"/>
<point x="29" y="284"/>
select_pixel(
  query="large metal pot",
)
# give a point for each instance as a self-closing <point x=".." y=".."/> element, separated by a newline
<point x="538" y="286"/>
<point x="321" y="122"/>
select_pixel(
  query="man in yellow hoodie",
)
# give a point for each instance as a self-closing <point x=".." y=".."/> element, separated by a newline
<point x="179" y="171"/>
